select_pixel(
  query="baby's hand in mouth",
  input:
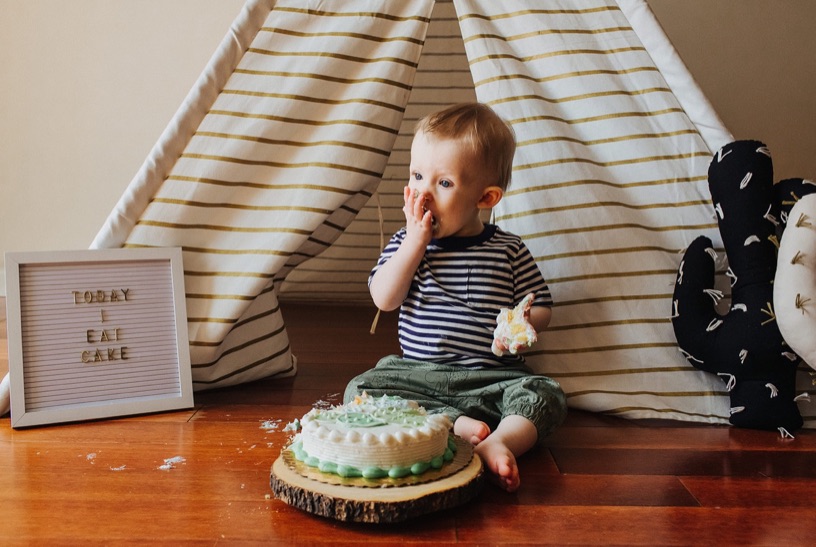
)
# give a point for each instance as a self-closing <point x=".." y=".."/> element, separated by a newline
<point x="434" y="222"/>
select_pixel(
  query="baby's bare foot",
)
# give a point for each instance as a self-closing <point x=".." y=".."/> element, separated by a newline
<point x="501" y="462"/>
<point x="470" y="429"/>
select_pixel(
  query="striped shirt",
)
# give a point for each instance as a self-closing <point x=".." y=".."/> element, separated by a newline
<point x="457" y="292"/>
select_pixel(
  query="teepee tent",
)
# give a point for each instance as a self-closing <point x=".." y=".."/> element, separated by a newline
<point x="284" y="167"/>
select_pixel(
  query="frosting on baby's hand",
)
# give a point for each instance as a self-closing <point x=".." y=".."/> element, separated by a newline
<point x="513" y="330"/>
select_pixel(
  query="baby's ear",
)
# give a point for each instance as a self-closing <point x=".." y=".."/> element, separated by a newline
<point x="490" y="197"/>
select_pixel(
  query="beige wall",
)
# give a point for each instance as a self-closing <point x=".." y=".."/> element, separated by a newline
<point x="88" y="86"/>
<point x="756" y="62"/>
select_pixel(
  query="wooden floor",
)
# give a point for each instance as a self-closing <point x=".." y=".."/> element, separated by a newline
<point x="597" y="480"/>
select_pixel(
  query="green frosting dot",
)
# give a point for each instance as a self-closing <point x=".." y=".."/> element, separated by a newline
<point x="328" y="467"/>
<point x="348" y="471"/>
<point x="420" y="467"/>
<point x="374" y="473"/>
<point x="399" y="472"/>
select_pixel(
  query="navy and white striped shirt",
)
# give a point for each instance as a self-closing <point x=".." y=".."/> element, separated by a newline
<point x="458" y="290"/>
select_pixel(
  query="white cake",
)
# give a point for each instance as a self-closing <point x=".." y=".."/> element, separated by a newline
<point x="374" y="437"/>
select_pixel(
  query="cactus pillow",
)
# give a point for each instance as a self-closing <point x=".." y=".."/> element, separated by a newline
<point x="743" y="346"/>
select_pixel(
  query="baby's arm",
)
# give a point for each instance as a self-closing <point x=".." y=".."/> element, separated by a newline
<point x="540" y="317"/>
<point x="391" y="283"/>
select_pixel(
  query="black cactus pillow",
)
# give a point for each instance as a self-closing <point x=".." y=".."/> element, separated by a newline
<point x="744" y="346"/>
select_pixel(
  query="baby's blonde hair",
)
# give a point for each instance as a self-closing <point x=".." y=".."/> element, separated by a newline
<point x="491" y="140"/>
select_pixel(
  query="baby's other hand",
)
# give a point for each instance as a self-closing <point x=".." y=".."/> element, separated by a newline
<point x="513" y="329"/>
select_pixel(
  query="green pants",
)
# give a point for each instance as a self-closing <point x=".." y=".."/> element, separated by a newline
<point x="487" y="394"/>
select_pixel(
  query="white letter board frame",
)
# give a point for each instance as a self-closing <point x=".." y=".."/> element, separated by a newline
<point x="80" y="348"/>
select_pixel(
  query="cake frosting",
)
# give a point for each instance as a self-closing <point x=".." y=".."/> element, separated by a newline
<point x="513" y="331"/>
<point x="374" y="437"/>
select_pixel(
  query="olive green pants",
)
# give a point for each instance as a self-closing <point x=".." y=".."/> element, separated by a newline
<point x="487" y="394"/>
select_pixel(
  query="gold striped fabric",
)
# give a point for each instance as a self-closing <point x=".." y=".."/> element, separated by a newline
<point x="609" y="186"/>
<point x="290" y="149"/>
<point x="341" y="272"/>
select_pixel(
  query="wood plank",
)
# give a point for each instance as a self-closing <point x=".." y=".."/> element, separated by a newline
<point x="530" y="525"/>
<point x="636" y="461"/>
<point x="264" y="394"/>
<point x="701" y="438"/>
<point x="597" y="490"/>
<point x="750" y="492"/>
<point x="266" y="414"/>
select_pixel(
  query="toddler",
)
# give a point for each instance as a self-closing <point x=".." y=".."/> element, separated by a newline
<point x="450" y="274"/>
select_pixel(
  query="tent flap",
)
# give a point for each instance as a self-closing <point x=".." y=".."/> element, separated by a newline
<point x="609" y="185"/>
<point x="300" y="128"/>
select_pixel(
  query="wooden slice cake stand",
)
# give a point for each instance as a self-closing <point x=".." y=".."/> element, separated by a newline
<point x="380" y="500"/>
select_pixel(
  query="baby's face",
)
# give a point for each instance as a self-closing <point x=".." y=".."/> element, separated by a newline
<point x="444" y="175"/>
